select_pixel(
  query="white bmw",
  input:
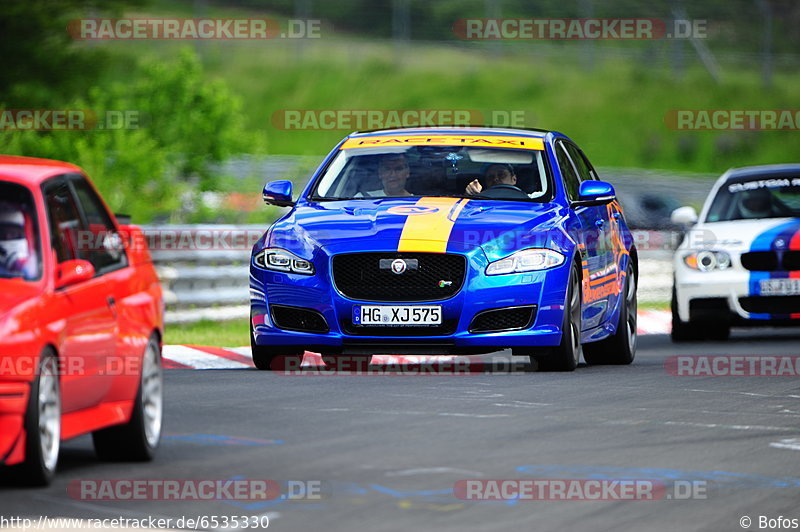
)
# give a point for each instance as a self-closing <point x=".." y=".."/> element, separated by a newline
<point x="739" y="263"/>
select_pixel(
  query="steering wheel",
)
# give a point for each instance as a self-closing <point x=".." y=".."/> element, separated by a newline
<point x="503" y="191"/>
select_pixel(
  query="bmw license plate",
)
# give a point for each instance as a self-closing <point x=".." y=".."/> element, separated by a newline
<point x="780" y="287"/>
<point x="397" y="315"/>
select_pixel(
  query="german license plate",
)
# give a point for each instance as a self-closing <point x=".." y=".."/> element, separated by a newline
<point x="397" y="315"/>
<point x="780" y="287"/>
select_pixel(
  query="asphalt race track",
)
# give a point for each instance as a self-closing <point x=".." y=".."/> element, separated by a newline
<point x="385" y="452"/>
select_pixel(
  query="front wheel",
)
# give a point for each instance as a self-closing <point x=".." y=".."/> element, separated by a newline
<point x="138" y="439"/>
<point x="682" y="331"/>
<point x="620" y="348"/>
<point x="566" y="355"/>
<point x="268" y="358"/>
<point x="42" y="426"/>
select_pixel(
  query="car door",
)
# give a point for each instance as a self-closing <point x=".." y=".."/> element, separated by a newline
<point x="107" y="254"/>
<point x="590" y="233"/>
<point x="89" y="324"/>
<point x="614" y="245"/>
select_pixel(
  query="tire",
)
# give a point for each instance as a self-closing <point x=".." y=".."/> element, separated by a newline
<point x="358" y="364"/>
<point x="267" y="358"/>
<point x="42" y="426"/>
<point x="682" y="331"/>
<point x="619" y="348"/>
<point x="566" y="355"/>
<point x="717" y="331"/>
<point x="138" y="439"/>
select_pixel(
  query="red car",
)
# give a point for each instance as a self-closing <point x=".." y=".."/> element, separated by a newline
<point x="81" y="323"/>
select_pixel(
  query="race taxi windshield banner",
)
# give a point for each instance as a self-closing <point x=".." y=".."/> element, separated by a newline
<point x="480" y="141"/>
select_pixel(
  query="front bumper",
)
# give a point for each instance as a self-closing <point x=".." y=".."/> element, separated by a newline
<point x="545" y="290"/>
<point x="733" y="295"/>
<point x="14" y="398"/>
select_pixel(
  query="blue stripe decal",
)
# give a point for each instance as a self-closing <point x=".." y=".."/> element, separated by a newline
<point x="767" y="241"/>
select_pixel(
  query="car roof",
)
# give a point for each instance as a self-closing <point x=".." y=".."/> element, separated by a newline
<point x="32" y="170"/>
<point x="762" y="170"/>
<point x="449" y="130"/>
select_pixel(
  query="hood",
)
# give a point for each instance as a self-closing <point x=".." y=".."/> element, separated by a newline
<point x="746" y="235"/>
<point x="417" y="224"/>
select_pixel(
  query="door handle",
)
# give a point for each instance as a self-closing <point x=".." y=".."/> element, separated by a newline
<point x="617" y="215"/>
<point x="111" y="301"/>
<point x="599" y="222"/>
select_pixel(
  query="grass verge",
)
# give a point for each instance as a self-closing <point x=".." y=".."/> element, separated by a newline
<point x="233" y="333"/>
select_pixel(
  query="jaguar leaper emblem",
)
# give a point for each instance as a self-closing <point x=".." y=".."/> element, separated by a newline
<point x="399" y="266"/>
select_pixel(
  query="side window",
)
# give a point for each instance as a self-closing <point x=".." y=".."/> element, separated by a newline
<point x="585" y="170"/>
<point x="65" y="223"/>
<point x="105" y="250"/>
<point x="571" y="180"/>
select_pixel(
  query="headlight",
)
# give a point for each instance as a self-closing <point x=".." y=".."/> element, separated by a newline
<point x="706" y="261"/>
<point x="280" y="260"/>
<point x="527" y="260"/>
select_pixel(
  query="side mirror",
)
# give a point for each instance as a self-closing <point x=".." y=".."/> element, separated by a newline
<point x="684" y="216"/>
<point x="73" y="271"/>
<point x="278" y="193"/>
<point x="591" y="193"/>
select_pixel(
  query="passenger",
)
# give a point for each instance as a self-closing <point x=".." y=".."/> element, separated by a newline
<point x="393" y="171"/>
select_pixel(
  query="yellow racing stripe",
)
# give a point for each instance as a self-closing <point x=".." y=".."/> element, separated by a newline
<point x="430" y="231"/>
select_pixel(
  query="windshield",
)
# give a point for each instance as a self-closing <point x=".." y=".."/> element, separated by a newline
<point x="393" y="169"/>
<point x="754" y="198"/>
<point x="19" y="235"/>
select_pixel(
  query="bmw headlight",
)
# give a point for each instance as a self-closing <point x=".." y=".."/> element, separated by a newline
<point x="706" y="261"/>
<point x="280" y="260"/>
<point x="527" y="260"/>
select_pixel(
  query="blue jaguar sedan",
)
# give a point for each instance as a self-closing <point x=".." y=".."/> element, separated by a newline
<point x="442" y="241"/>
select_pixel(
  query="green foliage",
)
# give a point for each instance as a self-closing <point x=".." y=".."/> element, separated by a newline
<point x="616" y="109"/>
<point x="156" y="166"/>
<point x="732" y="24"/>
<point x="232" y="333"/>
<point x="36" y="47"/>
<point x="194" y="113"/>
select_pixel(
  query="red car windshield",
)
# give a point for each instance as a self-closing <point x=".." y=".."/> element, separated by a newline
<point x="20" y="255"/>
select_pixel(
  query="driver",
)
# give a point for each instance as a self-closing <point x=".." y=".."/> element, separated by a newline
<point x="756" y="204"/>
<point x="14" y="252"/>
<point x="496" y="174"/>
